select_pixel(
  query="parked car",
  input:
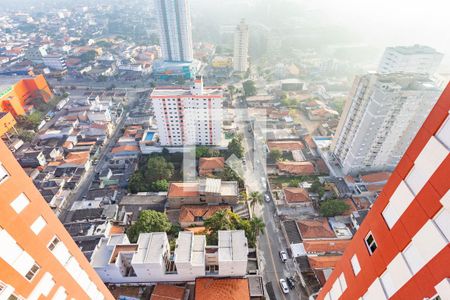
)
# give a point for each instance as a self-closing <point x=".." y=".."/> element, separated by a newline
<point x="290" y="282"/>
<point x="284" y="287"/>
<point x="283" y="256"/>
<point x="266" y="198"/>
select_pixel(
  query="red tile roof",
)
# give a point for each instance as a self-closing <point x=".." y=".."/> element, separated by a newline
<point x="323" y="262"/>
<point x="211" y="163"/>
<point x="296" y="195"/>
<point x="222" y="289"/>
<point x="376" y="177"/>
<point x="167" y="292"/>
<point x="285" y="145"/>
<point x="351" y="206"/>
<point x="188" y="213"/>
<point x="316" y="228"/>
<point x="297" y="167"/>
<point x="183" y="189"/>
<point x="321" y="246"/>
<point x="125" y="148"/>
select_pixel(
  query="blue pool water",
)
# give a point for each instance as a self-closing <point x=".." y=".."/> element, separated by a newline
<point x="149" y="136"/>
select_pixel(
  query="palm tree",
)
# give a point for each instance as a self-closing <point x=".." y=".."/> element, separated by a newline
<point x="256" y="228"/>
<point x="255" y="198"/>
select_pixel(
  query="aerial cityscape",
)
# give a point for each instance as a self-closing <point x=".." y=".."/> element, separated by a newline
<point x="224" y="150"/>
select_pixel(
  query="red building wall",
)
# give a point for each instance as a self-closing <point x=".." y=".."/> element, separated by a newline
<point x="424" y="208"/>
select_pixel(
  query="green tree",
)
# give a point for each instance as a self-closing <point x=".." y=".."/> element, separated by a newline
<point x="220" y="220"/>
<point x="201" y="151"/>
<point x="158" y="168"/>
<point x="235" y="147"/>
<point x="255" y="198"/>
<point x="88" y="56"/>
<point x="149" y="221"/>
<point x="160" y="186"/>
<point x="249" y="88"/>
<point x="334" y="207"/>
<point x="136" y="183"/>
<point x="229" y="174"/>
<point x="25" y="135"/>
<point x="317" y="187"/>
<point x="294" y="183"/>
<point x="256" y="228"/>
<point x="275" y="155"/>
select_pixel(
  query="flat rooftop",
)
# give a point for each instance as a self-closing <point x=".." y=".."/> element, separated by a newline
<point x="233" y="246"/>
<point x="190" y="248"/>
<point x="151" y="247"/>
<point x="161" y="92"/>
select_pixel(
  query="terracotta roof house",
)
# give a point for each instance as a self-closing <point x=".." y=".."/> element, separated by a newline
<point x="296" y="168"/>
<point x="210" y="165"/>
<point x="195" y="215"/>
<point x="324" y="261"/>
<point x="222" y="289"/>
<point x="378" y="177"/>
<point x="325" y="246"/>
<point x="167" y="292"/>
<point x="285" y="146"/>
<point x="295" y="195"/>
<point x="318" y="228"/>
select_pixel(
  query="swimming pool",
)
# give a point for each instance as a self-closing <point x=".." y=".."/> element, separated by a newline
<point x="149" y="136"/>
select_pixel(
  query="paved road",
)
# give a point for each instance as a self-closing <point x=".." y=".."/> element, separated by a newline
<point x="270" y="243"/>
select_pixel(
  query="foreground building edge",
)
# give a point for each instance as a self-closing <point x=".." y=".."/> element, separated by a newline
<point x="401" y="251"/>
<point x="38" y="258"/>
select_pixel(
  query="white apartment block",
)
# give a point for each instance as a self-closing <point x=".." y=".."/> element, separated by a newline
<point x="116" y="260"/>
<point x="410" y="59"/>
<point x="240" y="59"/>
<point x="380" y="118"/>
<point x="188" y="116"/>
<point x="175" y="30"/>
<point x="54" y="62"/>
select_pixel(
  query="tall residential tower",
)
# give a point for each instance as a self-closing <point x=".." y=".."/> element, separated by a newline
<point x="402" y="250"/>
<point x="175" y="30"/>
<point x="380" y="118"/>
<point x="38" y="258"/>
<point x="240" y="59"/>
<point x="188" y="116"/>
<point x="410" y="59"/>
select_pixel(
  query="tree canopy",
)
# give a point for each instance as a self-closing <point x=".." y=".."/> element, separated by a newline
<point x="249" y="88"/>
<point x="227" y="220"/>
<point x="333" y="207"/>
<point x="235" y="147"/>
<point x="158" y="168"/>
<point x="153" y="177"/>
<point x="149" y="221"/>
<point x="275" y="155"/>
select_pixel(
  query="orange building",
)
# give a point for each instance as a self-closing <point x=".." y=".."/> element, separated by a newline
<point x="402" y="249"/>
<point x="7" y="122"/>
<point x="16" y="98"/>
<point x="38" y="258"/>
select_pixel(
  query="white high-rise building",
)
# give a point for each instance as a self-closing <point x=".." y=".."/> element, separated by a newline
<point x="380" y="118"/>
<point x="240" y="60"/>
<point x="410" y="59"/>
<point x="175" y="30"/>
<point x="188" y="116"/>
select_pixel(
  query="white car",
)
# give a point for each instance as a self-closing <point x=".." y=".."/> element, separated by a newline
<point x="284" y="287"/>
<point x="266" y="198"/>
<point x="283" y="256"/>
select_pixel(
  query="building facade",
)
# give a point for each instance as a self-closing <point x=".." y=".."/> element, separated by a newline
<point x="410" y="59"/>
<point x="38" y="258"/>
<point x="380" y="118"/>
<point x="188" y="116"/>
<point x="16" y="98"/>
<point x="240" y="54"/>
<point x="174" y="19"/>
<point x="401" y="250"/>
<point x="150" y="259"/>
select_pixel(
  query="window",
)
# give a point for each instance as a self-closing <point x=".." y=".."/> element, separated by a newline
<point x="355" y="265"/>
<point x="3" y="173"/>
<point x="53" y="243"/>
<point x="370" y="243"/>
<point x="38" y="225"/>
<point x="20" y="203"/>
<point x="32" y="272"/>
